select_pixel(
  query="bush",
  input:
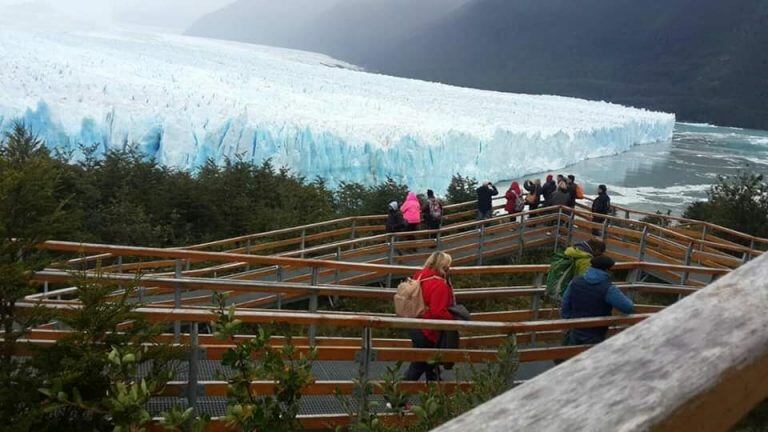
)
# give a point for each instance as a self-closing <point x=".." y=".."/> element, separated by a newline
<point x="461" y="189"/>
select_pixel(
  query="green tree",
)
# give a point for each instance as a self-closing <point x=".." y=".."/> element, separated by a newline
<point x="29" y="213"/>
<point x="461" y="189"/>
<point x="739" y="202"/>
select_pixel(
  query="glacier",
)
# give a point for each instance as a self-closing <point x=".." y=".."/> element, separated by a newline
<point x="185" y="100"/>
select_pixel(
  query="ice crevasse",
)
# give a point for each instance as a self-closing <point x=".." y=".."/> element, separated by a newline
<point x="185" y="100"/>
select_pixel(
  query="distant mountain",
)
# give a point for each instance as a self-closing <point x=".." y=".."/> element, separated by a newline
<point x="349" y="29"/>
<point x="706" y="60"/>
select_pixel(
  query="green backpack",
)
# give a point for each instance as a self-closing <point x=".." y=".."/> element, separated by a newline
<point x="560" y="273"/>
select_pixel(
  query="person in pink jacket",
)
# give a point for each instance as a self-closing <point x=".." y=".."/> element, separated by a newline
<point x="411" y="210"/>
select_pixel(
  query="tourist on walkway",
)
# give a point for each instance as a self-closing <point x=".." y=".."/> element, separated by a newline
<point x="438" y="297"/>
<point x="561" y="196"/>
<point x="485" y="194"/>
<point x="534" y="193"/>
<point x="515" y="200"/>
<point x="395" y="221"/>
<point x="432" y="211"/>
<point x="547" y="189"/>
<point x="583" y="253"/>
<point x="593" y="295"/>
<point x="601" y="205"/>
<point x="573" y="190"/>
<point x="411" y="210"/>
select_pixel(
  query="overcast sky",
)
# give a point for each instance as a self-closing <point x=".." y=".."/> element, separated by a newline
<point x="173" y="14"/>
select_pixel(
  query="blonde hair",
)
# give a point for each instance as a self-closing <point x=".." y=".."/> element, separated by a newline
<point x="439" y="262"/>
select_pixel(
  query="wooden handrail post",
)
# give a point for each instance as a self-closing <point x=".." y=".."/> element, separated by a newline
<point x="557" y="233"/>
<point x="193" y="372"/>
<point x="177" y="301"/>
<point x="313" y="305"/>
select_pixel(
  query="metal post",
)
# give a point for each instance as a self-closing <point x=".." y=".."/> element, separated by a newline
<point x="571" y="218"/>
<point x="557" y="233"/>
<point x="687" y="262"/>
<point x="481" y="244"/>
<point x="177" y="301"/>
<point x="364" y="358"/>
<point x="120" y="264"/>
<point x="748" y="255"/>
<point x="521" y="239"/>
<point x="626" y="214"/>
<point x="193" y="372"/>
<point x="354" y="229"/>
<point x="390" y="258"/>
<point x="643" y="244"/>
<point x="605" y="230"/>
<point x="439" y="238"/>
<point x="45" y="287"/>
<point x="536" y="304"/>
<point x="303" y="241"/>
<point x="704" y="232"/>
<point x="279" y="278"/>
<point x="337" y="273"/>
<point x="313" y="305"/>
<point x="248" y="252"/>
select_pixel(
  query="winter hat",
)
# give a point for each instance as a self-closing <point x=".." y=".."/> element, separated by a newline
<point x="584" y="246"/>
<point x="549" y="178"/>
<point x="602" y="188"/>
<point x="430" y="193"/>
<point x="393" y="205"/>
<point x="603" y="262"/>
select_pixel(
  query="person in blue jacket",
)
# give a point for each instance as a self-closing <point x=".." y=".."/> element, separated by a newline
<point x="593" y="295"/>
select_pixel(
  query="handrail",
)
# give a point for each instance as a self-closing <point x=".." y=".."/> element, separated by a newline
<point x="643" y="378"/>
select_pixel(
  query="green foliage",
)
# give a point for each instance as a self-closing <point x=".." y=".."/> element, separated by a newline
<point x="90" y="378"/>
<point x="461" y="189"/>
<point x="739" y="203"/>
<point x="290" y="370"/>
<point x="358" y="199"/>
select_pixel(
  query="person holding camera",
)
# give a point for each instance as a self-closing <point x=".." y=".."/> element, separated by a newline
<point x="485" y="194"/>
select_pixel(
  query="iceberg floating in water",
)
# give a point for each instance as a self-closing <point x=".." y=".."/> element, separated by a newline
<point x="185" y="100"/>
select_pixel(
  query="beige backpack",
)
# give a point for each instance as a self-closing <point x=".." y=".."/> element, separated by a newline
<point x="409" y="303"/>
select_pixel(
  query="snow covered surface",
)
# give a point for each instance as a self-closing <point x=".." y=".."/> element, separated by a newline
<point x="184" y="100"/>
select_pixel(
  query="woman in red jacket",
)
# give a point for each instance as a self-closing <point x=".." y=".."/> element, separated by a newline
<point x="515" y="204"/>
<point x="438" y="296"/>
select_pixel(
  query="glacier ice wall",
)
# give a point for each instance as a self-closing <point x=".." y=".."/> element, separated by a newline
<point x="185" y="100"/>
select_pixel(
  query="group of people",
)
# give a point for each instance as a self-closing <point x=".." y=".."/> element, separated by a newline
<point x="564" y="191"/>
<point x="413" y="212"/>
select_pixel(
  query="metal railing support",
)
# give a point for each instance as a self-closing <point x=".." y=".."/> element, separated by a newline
<point x="557" y="232"/>
<point x="626" y="214"/>
<point x="571" y="219"/>
<point x="390" y="258"/>
<point x="687" y="262"/>
<point x="279" y="278"/>
<point x="538" y="281"/>
<point x="177" y="300"/>
<point x="481" y="244"/>
<point x="643" y="244"/>
<point x="364" y="357"/>
<point x="354" y="229"/>
<point x="303" y="241"/>
<point x="313" y="305"/>
<point x="248" y="252"/>
<point x="194" y="368"/>
<point x="521" y="238"/>
<point x="604" y="235"/>
<point x="337" y="273"/>
<point x="748" y="255"/>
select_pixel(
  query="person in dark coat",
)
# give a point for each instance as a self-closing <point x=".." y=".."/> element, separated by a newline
<point x="432" y="211"/>
<point x="561" y="196"/>
<point x="395" y="221"/>
<point x="571" y="182"/>
<point x="547" y="189"/>
<point x="593" y="295"/>
<point x="485" y="194"/>
<point x="601" y="205"/>
<point x="533" y="187"/>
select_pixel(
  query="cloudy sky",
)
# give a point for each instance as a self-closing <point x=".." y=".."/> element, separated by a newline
<point x="173" y="14"/>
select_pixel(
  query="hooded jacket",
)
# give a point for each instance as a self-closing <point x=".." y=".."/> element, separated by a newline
<point x="411" y="209"/>
<point x="512" y="194"/>
<point x="547" y="189"/>
<point x="485" y="196"/>
<point x="560" y="196"/>
<point x="593" y="295"/>
<point x="601" y="204"/>
<point x="438" y="296"/>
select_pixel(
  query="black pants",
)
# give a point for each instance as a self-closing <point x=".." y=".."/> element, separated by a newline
<point x="417" y="369"/>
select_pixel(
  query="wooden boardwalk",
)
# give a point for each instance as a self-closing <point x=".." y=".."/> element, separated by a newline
<point x="266" y="273"/>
